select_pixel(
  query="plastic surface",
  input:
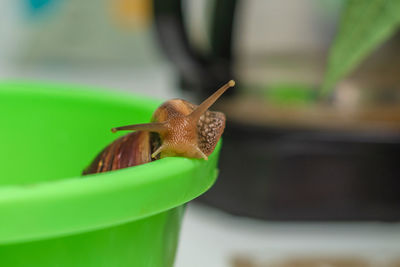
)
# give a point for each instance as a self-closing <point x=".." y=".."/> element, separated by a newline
<point x="51" y="216"/>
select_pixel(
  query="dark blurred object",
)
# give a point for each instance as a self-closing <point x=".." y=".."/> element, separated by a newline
<point x="284" y="173"/>
<point x="199" y="71"/>
<point x="292" y="174"/>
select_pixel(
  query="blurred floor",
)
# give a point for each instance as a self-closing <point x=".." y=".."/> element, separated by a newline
<point x="215" y="239"/>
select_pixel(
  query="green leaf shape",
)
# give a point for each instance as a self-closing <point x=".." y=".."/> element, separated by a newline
<point x="364" y="25"/>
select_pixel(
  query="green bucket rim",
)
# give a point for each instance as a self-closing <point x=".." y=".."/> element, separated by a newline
<point x="82" y="205"/>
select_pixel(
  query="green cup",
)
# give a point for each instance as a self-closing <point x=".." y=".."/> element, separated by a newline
<point x="51" y="216"/>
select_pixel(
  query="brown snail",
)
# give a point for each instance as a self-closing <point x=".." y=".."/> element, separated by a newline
<point x="177" y="128"/>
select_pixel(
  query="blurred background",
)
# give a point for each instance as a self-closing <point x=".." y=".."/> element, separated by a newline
<point x="304" y="181"/>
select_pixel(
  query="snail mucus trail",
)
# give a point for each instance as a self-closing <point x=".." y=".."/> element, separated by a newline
<point x="177" y="128"/>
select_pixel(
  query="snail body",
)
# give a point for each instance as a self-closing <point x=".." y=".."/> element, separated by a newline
<point x="177" y="128"/>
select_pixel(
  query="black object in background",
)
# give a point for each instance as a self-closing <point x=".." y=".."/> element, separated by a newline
<point x="200" y="72"/>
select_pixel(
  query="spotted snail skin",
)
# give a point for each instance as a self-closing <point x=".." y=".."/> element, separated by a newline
<point x="177" y="128"/>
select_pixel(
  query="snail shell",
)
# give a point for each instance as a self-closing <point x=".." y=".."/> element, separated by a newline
<point x="177" y="128"/>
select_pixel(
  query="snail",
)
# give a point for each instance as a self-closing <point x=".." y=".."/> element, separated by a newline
<point x="177" y="128"/>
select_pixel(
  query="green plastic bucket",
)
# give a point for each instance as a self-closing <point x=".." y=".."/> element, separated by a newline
<point x="51" y="216"/>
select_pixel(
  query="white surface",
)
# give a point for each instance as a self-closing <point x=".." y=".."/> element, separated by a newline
<point x="212" y="238"/>
<point x="157" y="82"/>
